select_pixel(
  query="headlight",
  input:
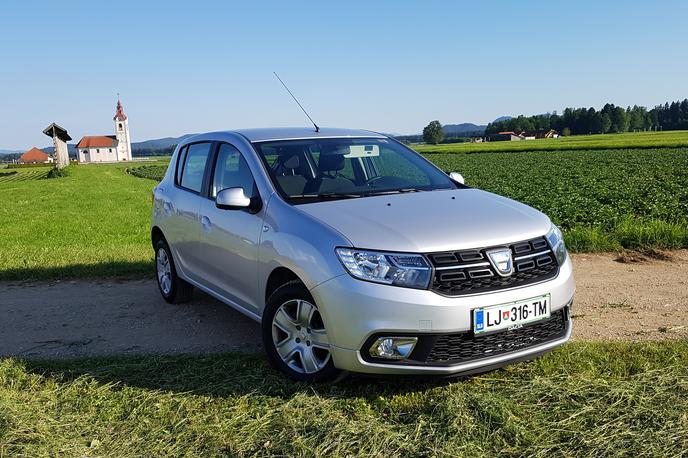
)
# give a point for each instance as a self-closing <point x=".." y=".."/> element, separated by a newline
<point x="556" y="241"/>
<point x="409" y="270"/>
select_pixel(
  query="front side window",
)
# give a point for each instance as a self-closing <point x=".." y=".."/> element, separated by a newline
<point x="313" y="169"/>
<point x="194" y="166"/>
<point x="231" y="171"/>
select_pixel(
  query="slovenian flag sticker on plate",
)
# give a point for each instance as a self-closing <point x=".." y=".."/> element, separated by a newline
<point x="479" y="324"/>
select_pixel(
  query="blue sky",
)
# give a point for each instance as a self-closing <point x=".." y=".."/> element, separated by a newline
<point x="186" y="67"/>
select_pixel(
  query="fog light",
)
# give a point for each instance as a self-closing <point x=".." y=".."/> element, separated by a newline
<point x="393" y="347"/>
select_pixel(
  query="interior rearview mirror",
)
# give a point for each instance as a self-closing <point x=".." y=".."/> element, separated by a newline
<point x="232" y="199"/>
<point x="456" y="176"/>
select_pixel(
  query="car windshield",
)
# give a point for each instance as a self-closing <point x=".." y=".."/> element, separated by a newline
<point x="339" y="168"/>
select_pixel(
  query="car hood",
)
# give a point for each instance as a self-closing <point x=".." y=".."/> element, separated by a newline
<point x="431" y="221"/>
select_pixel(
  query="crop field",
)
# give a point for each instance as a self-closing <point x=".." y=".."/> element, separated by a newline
<point x="585" y="400"/>
<point x="669" y="139"/>
<point x="602" y="199"/>
<point x="95" y="222"/>
<point x="8" y="176"/>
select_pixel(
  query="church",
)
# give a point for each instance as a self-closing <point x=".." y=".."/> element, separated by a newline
<point x="107" y="148"/>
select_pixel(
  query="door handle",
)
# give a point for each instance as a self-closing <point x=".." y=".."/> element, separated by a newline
<point x="207" y="225"/>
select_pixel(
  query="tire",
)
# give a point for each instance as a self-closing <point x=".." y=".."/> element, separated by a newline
<point x="294" y="336"/>
<point x="172" y="288"/>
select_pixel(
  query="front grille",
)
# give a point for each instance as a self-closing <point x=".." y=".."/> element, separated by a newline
<point x="457" y="348"/>
<point x="469" y="271"/>
<point x="460" y="348"/>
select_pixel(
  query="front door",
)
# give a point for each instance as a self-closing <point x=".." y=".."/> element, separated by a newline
<point x="229" y="238"/>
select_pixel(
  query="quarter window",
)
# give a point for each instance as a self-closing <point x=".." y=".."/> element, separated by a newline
<point x="231" y="171"/>
<point x="194" y="166"/>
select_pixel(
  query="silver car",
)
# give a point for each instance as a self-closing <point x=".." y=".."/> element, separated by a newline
<point x="355" y="253"/>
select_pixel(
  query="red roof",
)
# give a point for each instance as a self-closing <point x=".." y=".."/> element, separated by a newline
<point x="119" y="115"/>
<point x="97" y="141"/>
<point x="34" y="155"/>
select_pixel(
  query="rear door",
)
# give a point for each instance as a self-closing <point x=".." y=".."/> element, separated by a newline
<point x="229" y="238"/>
<point x="182" y="231"/>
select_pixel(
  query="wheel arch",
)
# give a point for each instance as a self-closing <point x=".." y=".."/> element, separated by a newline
<point x="156" y="234"/>
<point x="279" y="276"/>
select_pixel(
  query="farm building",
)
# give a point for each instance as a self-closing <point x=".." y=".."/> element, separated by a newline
<point x="108" y="148"/>
<point x="35" y="156"/>
<point x="539" y="133"/>
<point x="504" y="137"/>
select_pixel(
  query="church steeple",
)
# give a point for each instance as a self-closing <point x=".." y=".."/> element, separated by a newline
<point x="122" y="133"/>
<point x="119" y="114"/>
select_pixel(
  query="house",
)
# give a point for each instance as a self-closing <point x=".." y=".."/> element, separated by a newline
<point x="539" y="133"/>
<point x="504" y="137"/>
<point x="35" y="156"/>
<point x="108" y="148"/>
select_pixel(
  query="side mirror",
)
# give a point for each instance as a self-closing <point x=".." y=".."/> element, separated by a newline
<point x="456" y="176"/>
<point x="232" y="199"/>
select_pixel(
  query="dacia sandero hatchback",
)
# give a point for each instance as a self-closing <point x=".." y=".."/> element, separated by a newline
<point x="355" y="253"/>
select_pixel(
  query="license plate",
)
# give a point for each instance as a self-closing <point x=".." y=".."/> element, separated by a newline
<point x="512" y="315"/>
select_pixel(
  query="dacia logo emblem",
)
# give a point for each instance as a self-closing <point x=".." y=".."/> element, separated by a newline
<point x="500" y="258"/>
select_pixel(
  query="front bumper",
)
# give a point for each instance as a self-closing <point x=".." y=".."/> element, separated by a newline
<point x="355" y="310"/>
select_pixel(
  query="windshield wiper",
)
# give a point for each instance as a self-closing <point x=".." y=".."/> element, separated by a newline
<point x="392" y="191"/>
<point x="326" y="195"/>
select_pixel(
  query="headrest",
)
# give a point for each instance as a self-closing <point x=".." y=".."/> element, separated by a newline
<point x="331" y="162"/>
<point x="292" y="162"/>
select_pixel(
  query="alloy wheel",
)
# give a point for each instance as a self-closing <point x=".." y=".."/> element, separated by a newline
<point x="164" y="271"/>
<point x="299" y="336"/>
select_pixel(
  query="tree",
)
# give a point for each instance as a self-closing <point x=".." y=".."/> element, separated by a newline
<point x="566" y="132"/>
<point x="606" y="123"/>
<point x="433" y="133"/>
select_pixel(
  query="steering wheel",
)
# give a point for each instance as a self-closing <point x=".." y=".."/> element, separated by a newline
<point x="372" y="182"/>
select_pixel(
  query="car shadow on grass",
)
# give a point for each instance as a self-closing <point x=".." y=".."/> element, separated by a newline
<point x="110" y="269"/>
<point x="219" y="375"/>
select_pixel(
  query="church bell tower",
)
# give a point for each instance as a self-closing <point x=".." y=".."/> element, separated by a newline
<point x="122" y="133"/>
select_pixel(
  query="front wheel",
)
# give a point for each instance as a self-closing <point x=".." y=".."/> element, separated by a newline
<point x="295" y="337"/>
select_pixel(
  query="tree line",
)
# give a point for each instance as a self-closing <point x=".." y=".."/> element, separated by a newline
<point x="610" y="119"/>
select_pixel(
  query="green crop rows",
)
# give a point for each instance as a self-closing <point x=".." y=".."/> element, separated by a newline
<point x="152" y="172"/>
<point x="603" y="199"/>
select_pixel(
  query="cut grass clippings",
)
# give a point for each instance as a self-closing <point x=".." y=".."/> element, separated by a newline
<point x="583" y="400"/>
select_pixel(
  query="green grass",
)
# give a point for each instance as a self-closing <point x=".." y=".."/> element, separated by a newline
<point x="586" y="399"/>
<point x="669" y="139"/>
<point x="95" y="222"/>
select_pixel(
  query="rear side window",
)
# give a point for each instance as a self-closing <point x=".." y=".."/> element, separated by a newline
<point x="180" y="165"/>
<point x="194" y="166"/>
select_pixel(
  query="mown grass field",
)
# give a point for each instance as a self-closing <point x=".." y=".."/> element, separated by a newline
<point x="585" y="400"/>
<point x="95" y="222"/>
<point x="669" y="139"/>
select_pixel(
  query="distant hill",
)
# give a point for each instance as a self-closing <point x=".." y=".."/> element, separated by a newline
<point x="4" y="152"/>
<point x="503" y="118"/>
<point x="159" y="143"/>
<point x="464" y="128"/>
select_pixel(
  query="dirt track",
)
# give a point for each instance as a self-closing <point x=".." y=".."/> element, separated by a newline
<point x="614" y="300"/>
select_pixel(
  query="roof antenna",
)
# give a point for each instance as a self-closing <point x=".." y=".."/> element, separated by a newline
<point x="317" y="129"/>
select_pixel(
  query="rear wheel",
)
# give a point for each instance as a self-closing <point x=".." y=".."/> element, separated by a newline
<point x="173" y="289"/>
<point x="295" y="337"/>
